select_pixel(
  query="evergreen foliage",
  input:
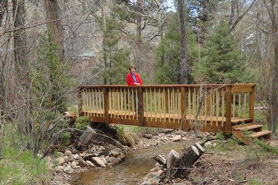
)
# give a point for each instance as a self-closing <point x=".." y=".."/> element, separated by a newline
<point x="115" y="58"/>
<point x="222" y="60"/>
<point x="167" y="53"/>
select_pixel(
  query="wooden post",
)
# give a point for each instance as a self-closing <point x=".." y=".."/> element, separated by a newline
<point x="183" y="106"/>
<point x="80" y="102"/>
<point x="106" y="104"/>
<point x="166" y="100"/>
<point x="141" y="106"/>
<point x="252" y="103"/>
<point x="228" y="124"/>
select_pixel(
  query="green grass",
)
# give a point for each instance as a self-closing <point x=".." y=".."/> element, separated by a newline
<point x="254" y="182"/>
<point x="18" y="166"/>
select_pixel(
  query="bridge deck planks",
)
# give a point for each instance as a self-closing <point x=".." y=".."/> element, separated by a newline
<point x="151" y="115"/>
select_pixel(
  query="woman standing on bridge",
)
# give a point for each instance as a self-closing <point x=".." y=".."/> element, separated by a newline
<point x="134" y="79"/>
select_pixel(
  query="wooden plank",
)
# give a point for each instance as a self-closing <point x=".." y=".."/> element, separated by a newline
<point x="239" y="105"/>
<point x="172" y="85"/>
<point x="223" y="107"/>
<point x="261" y="133"/>
<point x="80" y="102"/>
<point x="189" y="105"/>
<point x="241" y="89"/>
<point x="244" y="105"/>
<point x="228" y="124"/>
<point x="234" y="104"/>
<point x="141" y="107"/>
<point x="106" y="104"/>
<point x="252" y="103"/>
<point x="166" y="100"/>
<point x="183" y="103"/>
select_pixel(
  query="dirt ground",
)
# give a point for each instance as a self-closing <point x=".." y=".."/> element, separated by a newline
<point x="232" y="163"/>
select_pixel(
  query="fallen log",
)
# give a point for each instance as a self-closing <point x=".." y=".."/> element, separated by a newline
<point x="180" y="165"/>
<point x="189" y="157"/>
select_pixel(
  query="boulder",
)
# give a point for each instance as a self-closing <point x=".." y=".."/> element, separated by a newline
<point x="148" y="136"/>
<point x="61" y="160"/>
<point x="71" y="158"/>
<point x="208" y="144"/>
<point x="121" y="156"/>
<point x="103" y="160"/>
<point x="98" y="161"/>
<point x="176" y="138"/>
<point x="74" y="165"/>
<point x="116" y="151"/>
<point x="68" y="169"/>
<point x="68" y="153"/>
<point x="90" y="163"/>
<point x="85" y="137"/>
<point x="66" y="158"/>
<point x="82" y="161"/>
<point x="59" y="169"/>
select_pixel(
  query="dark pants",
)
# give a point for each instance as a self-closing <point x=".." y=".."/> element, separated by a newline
<point x="136" y="103"/>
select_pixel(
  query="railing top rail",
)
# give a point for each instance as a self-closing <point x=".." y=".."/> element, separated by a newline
<point x="168" y="85"/>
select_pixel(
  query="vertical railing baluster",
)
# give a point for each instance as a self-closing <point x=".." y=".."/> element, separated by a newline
<point x="228" y="124"/>
<point x="239" y="105"/>
<point x="141" y="106"/>
<point x="244" y="105"/>
<point x="252" y="103"/>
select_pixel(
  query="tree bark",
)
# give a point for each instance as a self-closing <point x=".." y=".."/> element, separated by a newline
<point x="21" y="66"/>
<point x="54" y="27"/>
<point x="272" y="9"/>
<point x="104" y="45"/>
<point x="3" y="7"/>
<point x="138" y="37"/>
<point x="183" y="63"/>
<point x="274" y="93"/>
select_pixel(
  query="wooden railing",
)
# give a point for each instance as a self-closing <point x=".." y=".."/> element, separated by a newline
<point x="212" y="107"/>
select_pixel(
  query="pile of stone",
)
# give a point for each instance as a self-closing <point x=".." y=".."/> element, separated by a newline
<point x="98" y="156"/>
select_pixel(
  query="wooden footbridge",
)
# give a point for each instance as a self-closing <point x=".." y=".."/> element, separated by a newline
<point x="210" y="107"/>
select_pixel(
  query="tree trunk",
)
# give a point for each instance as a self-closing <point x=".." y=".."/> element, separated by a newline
<point x="104" y="45"/>
<point x="54" y="26"/>
<point x="274" y="94"/>
<point x="183" y="63"/>
<point x="138" y="39"/>
<point x="21" y="66"/>
<point x="3" y="7"/>
<point x="272" y="8"/>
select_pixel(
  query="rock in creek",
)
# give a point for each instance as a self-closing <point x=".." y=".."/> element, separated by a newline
<point x="90" y="164"/>
<point x="59" y="168"/>
<point x="176" y="138"/>
<point x="68" y="169"/>
<point x="116" y="151"/>
<point x="148" y="136"/>
<point x="81" y="160"/>
<point x="60" y="160"/>
<point x="68" y="153"/>
<point x="99" y="161"/>
<point x="74" y="165"/>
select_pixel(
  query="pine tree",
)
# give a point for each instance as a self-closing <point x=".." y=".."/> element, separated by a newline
<point x="168" y="53"/>
<point x="222" y="60"/>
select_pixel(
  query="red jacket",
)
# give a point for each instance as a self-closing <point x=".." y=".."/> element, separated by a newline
<point x="130" y="81"/>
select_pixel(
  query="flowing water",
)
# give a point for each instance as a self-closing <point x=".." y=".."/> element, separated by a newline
<point x="129" y="172"/>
